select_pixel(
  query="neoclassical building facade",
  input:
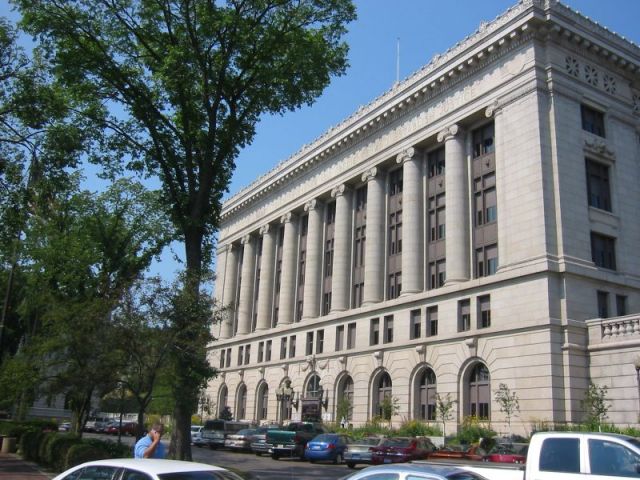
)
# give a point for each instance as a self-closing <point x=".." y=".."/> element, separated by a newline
<point x="476" y="225"/>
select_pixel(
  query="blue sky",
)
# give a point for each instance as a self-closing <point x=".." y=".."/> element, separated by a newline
<point x="424" y="27"/>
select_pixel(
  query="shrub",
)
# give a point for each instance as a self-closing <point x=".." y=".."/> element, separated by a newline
<point x="472" y="431"/>
<point x="29" y="443"/>
<point x="84" y="452"/>
<point x="43" y="448"/>
<point x="416" y="428"/>
<point x="58" y="448"/>
<point x="113" y="449"/>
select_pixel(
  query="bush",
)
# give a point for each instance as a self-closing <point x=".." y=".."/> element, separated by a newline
<point x="112" y="448"/>
<point x="43" y="449"/>
<point x="472" y="431"/>
<point x="416" y="428"/>
<point x="58" y="448"/>
<point x="85" y="452"/>
<point x="29" y="443"/>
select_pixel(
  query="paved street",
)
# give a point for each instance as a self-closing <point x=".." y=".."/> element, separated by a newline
<point x="262" y="468"/>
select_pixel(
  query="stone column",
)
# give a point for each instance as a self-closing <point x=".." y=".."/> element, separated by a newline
<point x="313" y="269"/>
<point x="342" y="239"/>
<point x="374" y="247"/>
<point x="265" y="292"/>
<point x="412" y="214"/>
<point x="457" y="209"/>
<point x="224" y="257"/>
<point x="229" y="292"/>
<point x="245" y="308"/>
<point x="288" y="274"/>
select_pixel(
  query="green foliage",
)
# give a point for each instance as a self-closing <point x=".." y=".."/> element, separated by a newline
<point x="226" y="414"/>
<point x="508" y="402"/>
<point x="343" y="409"/>
<point x="57" y="449"/>
<point x="595" y="405"/>
<point x="389" y="406"/>
<point x="444" y="409"/>
<point x="84" y="452"/>
<point x="472" y="430"/>
<point x="44" y="451"/>
<point x="416" y="428"/>
<point x="30" y="443"/>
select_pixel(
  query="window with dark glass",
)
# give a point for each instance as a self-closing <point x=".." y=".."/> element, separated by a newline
<point x="437" y="274"/>
<point x="309" y="349"/>
<point x="479" y="392"/>
<point x="485" y="199"/>
<point x="388" y="329"/>
<point x="436" y="163"/>
<point x="603" y="304"/>
<point x="395" y="285"/>
<point x="339" y="337"/>
<point x="484" y="311"/>
<point x="464" y="315"/>
<point x="240" y="355"/>
<point x="427" y="396"/>
<point x="228" y="363"/>
<point x="247" y="354"/>
<point x="603" y="251"/>
<point x="359" y="244"/>
<point x="283" y="348"/>
<point x="351" y="336"/>
<point x="486" y="260"/>
<point x="260" y="352"/>
<point x="222" y="353"/>
<point x="374" y="336"/>
<point x="483" y="140"/>
<point x="592" y="120"/>
<point x="320" y="341"/>
<point x="621" y="305"/>
<point x="432" y="321"/>
<point x="415" y="326"/>
<point x="267" y="354"/>
<point x="437" y="218"/>
<point x="292" y="346"/>
<point x="598" y="189"/>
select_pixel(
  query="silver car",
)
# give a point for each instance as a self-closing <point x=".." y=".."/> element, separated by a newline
<point x="413" y="471"/>
<point x="358" y="451"/>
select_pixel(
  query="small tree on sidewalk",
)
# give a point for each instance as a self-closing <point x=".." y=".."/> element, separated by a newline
<point x="444" y="408"/>
<point x="508" y="402"/>
<point x="595" y="405"/>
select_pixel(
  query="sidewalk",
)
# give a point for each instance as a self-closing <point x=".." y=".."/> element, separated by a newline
<point x="12" y="467"/>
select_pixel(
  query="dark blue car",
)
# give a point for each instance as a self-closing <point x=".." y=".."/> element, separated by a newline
<point x="327" y="447"/>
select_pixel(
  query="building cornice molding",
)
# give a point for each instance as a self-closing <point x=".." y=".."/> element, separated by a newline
<point x="474" y="52"/>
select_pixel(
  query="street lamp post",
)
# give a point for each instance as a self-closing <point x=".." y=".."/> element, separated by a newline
<point x="636" y="364"/>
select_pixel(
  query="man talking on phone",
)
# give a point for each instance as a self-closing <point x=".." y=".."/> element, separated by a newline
<point x="149" y="446"/>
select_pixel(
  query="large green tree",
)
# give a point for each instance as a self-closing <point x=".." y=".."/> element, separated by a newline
<point x="188" y="81"/>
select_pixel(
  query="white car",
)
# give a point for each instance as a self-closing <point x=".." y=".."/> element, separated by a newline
<point x="146" y="469"/>
<point x="196" y="435"/>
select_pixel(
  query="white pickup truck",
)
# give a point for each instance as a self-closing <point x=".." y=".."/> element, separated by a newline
<point x="570" y="456"/>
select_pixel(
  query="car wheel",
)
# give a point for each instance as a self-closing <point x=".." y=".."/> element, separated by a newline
<point x="351" y="465"/>
<point x="275" y="456"/>
<point x="338" y="459"/>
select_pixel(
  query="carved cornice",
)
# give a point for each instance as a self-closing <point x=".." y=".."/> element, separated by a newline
<point x="406" y="155"/>
<point x="449" y="132"/>
<point x="370" y="174"/>
<point x="597" y="146"/>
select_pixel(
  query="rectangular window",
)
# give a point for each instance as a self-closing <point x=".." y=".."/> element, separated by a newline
<point x="222" y="358"/>
<point x="351" y="336"/>
<point x="603" y="304"/>
<point x="240" y="355"/>
<point x="592" y="120"/>
<point x="603" y="251"/>
<point x="374" y="335"/>
<point x="247" y="354"/>
<point x="228" y="357"/>
<point x="283" y="348"/>
<point x="339" y="337"/>
<point x="486" y="260"/>
<point x="326" y="303"/>
<point x="260" y="352"/>
<point x="464" y="315"/>
<point x="415" y="321"/>
<point x="299" y="307"/>
<point x="267" y="355"/>
<point x="560" y="455"/>
<point x="319" y="341"/>
<point x="484" y="311"/>
<point x="437" y="274"/>
<point x="395" y="285"/>
<point x="598" y="190"/>
<point x="483" y="140"/>
<point x="432" y="321"/>
<point x="485" y="199"/>
<point x="309" y="349"/>
<point x="435" y="163"/>
<point x="621" y="305"/>
<point x="388" y="329"/>
<point x="292" y="346"/>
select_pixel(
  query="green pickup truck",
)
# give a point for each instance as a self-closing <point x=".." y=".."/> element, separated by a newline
<point x="292" y="440"/>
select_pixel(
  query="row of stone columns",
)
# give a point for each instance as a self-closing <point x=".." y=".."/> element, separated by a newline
<point x="457" y="252"/>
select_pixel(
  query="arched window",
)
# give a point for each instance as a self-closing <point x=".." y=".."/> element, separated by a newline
<point x="479" y="392"/>
<point x="344" y="407"/>
<point x="381" y="391"/>
<point x="425" y="408"/>
<point x="222" y="399"/>
<point x="241" y="409"/>
<point x="263" y="402"/>
<point x="314" y="389"/>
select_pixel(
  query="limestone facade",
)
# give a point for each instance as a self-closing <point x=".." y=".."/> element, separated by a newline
<point x="476" y="225"/>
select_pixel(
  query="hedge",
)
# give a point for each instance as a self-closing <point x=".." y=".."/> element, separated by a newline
<point x="58" y="448"/>
<point x="84" y="452"/>
<point x="30" y="443"/>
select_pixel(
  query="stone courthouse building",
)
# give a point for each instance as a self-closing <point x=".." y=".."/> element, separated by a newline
<point x="476" y="225"/>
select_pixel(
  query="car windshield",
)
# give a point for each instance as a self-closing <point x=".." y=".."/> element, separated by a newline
<point x="397" y="442"/>
<point x="246" y="431"/>
<point x="368" y="441"/>
<point x="324" y="438"/>
<point x="206" y="475"/>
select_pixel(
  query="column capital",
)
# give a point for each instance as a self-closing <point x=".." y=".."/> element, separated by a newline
<point x="246" y="239"/>
<point x="224" y="248"/>
<point x="406" y="155"/>
<point x="339" y="191"/>
<point x="370" y="174"/>
<point x="264" y="229"/>
<point x="287" y="217"/>
<point x="449" y="132"/>
<point x="493" y="110"/>
<point x="311" y="205"/>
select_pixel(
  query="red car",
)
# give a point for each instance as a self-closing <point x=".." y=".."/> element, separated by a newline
<point x="128" y="428"/>
<point x="452" y="452"/>
<point x="401" y="450"/>
<point x="506" y="453"/>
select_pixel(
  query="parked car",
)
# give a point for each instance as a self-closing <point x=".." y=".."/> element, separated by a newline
<point x="327" y="447"/>
<point x="413" y="471"/>
<point x="240" y="440"/>
<point x="92" y="424"/>
<point x="506" y="453"/>
<point x="196" y="435"/>
<point x="216" y="431"/>
<point x="292" y="440"/>
<point x="259" y="443"/>
<point x="101" y="426"/>
<point x="360" y="450"/>
<point x="402" y="449"/>
<point x="458" y="452"/>
<point x="64" y="427"/>
<point x="128" y="428"/>
<point x="147" y="469"/>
